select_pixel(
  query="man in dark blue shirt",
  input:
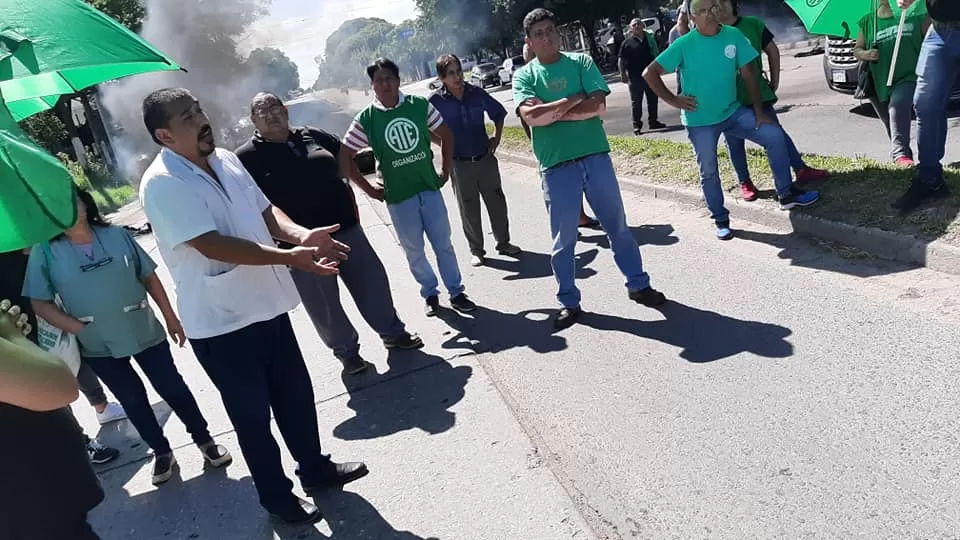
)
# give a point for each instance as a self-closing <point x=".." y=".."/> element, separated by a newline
<point x="476" y="171"/>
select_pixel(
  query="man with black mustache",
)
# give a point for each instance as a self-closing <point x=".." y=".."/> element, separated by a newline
<point x="297" y="168"/>
<point x="216" y="232"/>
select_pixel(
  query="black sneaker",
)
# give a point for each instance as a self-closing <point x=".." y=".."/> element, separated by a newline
<point x="354" y="365"/>
<point x="567" y="317"/>
<point x="431" y="307"/>
<point x="337" y="476"/>
<point x="163" y="468"/>
<point x="654" y="124"/>
<point x="638" y="128"/>
<point x="296" y="512"/>
<point x="100" y="454"/>
<point x="648" y="297"/>
<point x="216" y="456"/>
<point x="462" y="304"/>
<point x="404" y="342"/>
<point x="917" y="193"/>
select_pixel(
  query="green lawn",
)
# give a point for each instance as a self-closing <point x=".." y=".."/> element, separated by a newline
<point x="859" y="192"/>
<point x="112" y="199"/>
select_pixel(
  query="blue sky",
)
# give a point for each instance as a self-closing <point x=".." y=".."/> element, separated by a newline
<point x="300" y="27"/>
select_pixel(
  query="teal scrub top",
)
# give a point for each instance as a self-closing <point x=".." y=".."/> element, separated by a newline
<point x="104" y="290"/>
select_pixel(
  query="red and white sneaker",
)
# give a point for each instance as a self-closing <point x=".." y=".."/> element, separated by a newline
<point x="904" y="161"/>
<point x="749" y="191"/>
<point x="809" y="174"/>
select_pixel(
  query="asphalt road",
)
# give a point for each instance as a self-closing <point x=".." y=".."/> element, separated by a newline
<point x="819" y="120"/>
<point x="785" y="392"/>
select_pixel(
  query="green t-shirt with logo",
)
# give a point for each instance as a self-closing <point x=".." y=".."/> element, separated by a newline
<point x="400" y="138"/>
<point x="566" y="139"/>
<point x="752" y="28"/>
<point x="884" y="40"/>
<point x="709" y="67"/>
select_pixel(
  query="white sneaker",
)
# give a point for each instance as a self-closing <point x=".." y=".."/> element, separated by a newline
<point x="476" y="260"/>
<point x="112" y="413"/>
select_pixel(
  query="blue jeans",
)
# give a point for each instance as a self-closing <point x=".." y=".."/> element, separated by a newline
<point x="742" y="125"/>
<point x="563" y="188"/>
<point x="259" y="369"/>
<point x="897" y="115"/>
<point x="426" y="213"/>
<point x="937" y="70"/>
<point x="157" y="364"/>
<point x="738" y="150"/>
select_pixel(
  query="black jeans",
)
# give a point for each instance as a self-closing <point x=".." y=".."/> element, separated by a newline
<point x="256" y="369"/>
<point x="157" y="364"/>
<point x="638" y="88"/>
<point x="90" y="385"/>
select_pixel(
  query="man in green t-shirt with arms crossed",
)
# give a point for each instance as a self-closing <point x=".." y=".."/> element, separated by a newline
<point x="709" y="59"/>
<point x="397" y="127"/>
<point x="561" y="97"/>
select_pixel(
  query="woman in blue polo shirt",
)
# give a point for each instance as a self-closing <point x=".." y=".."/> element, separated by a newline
<point x="102" y="278"/>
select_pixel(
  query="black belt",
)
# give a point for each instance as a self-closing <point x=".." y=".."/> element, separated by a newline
<point x="574" y="160"/>
<point x="473" y="159"/>
<point x="949" y="25"/>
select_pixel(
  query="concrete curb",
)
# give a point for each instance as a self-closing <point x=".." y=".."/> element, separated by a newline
<point x="812" y="42"/>
<point x="935" y="255"/>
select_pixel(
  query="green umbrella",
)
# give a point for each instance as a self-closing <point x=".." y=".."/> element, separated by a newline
<point x="49" y="48"/>
<point x="36" y="191"/>
<point x="841" y="17"/>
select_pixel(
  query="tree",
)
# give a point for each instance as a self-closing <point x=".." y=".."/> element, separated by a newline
<point x="129" y="13"/>
<point x="275" y="71"/>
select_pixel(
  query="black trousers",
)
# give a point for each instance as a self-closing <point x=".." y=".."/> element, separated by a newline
<point x="638" y="89"/>
<point x="257" y="369"/>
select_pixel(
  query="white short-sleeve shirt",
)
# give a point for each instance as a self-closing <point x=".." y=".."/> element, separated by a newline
<point x="182" y="202"/>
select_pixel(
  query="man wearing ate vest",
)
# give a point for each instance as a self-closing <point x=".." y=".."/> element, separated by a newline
<point x="397" y="127"/>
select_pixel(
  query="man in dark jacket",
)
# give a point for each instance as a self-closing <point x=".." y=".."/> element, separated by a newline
<point x="636" y="53"/>
<point x="297" y="169"/>
<point x="937" y="70"/>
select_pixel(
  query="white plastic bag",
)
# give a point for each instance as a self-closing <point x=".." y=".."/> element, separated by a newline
<point x="62" y="344"/>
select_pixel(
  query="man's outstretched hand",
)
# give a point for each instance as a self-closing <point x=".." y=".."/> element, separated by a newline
<point x="308" y="259"/>
<point x="326" y="246"/>
<point x="904" y="4"/>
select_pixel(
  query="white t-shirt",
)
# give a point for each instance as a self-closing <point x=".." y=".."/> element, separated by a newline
<point x="183" y="202"/>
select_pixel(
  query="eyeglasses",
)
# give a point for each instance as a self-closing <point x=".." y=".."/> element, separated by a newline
<point x="273" y="110"/>
<point x="93" y="266"/>
<point x="548" y="32"/>
<point x="703" y="11"/>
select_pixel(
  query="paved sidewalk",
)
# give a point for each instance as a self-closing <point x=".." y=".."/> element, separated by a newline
<point x="447" y="458"/>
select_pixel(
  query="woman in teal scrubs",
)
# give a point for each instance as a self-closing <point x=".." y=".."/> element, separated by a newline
<point x="102" y="278"/>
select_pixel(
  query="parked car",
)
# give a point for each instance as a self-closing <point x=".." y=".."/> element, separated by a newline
<point x="486" y="74"/>
<point x="840" y="68"/>
<point x="510" y="66"/>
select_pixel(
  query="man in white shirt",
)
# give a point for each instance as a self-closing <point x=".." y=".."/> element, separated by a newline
<point x="216" y="232"/>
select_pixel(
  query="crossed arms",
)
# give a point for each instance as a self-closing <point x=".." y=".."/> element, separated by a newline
<point x="578" y="106"/>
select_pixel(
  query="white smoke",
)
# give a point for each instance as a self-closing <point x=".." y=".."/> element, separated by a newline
<point x="201" y="36"/>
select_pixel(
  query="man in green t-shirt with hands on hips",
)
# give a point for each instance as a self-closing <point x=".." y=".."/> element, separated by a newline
<point x="709" y="58"/>
<point x="398" y="127"/>
<point x="561" y="97"/>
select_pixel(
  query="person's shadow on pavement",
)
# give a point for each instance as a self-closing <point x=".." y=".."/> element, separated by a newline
<point x="389" y="404"/>
<point x="487" y="330"/>
<point x="704" y="336"/>
<point x="351" y="517"/>
<point x="646" y="235"/>
<point x="533" y="265"/>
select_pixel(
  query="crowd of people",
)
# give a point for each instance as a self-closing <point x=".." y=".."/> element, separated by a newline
<point x="247" y="236"/>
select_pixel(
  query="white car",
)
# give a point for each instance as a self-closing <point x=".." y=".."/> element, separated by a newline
<point x="510" y="66"/>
